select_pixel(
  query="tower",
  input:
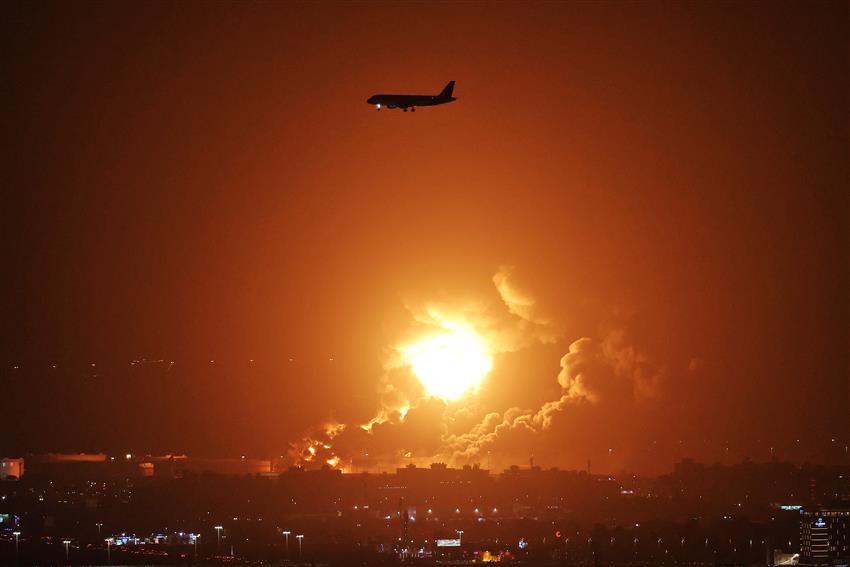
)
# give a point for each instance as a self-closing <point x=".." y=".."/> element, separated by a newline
<point x="404" y="539"/>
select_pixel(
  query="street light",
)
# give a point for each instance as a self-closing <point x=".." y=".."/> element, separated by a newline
<point x="99" y="525"/>
<point x="17" y="535"/>
<point x="195" y="541"/>
<point x="286" y="535"/>
<point x="218" y="534"/>
<point x="109" y="541"/>
<point x="299" y="537"/>
<point x="67" y="543"/>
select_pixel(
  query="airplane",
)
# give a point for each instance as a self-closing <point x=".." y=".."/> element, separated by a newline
<point x="412" y="101"/>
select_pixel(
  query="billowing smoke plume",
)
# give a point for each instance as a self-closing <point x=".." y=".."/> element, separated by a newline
<point x="608" y="368"/>
<point x="531" y="323"/>
<point x="597" y="376"/>
<point x="591" y="372"/>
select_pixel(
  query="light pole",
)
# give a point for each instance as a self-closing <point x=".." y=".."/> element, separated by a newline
<point x="218" y="535"/>
<point x="99" y="525"/>
<point x="286" y="535"/>
<point x="17" y="535"/>
<point x="300" y="538"/>
<point x="67" y="543"/>
<point x="195" y="541"/>
<point x="109" y="550"/>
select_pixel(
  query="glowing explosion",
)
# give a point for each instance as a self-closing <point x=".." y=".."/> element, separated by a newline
<point x="450" y="363"/>
<point x="450" y="353"/>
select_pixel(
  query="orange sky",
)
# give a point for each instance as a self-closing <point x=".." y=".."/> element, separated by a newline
<point x="205" y="181"/>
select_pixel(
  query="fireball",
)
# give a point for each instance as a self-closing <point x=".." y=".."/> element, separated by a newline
<point x="450" y="363"/>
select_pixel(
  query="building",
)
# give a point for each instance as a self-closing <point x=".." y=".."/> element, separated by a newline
<point x="824" y="535"/>
<point x="11" y="469"/>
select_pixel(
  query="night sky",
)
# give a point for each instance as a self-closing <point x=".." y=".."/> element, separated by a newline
<point x="195" y="182"/>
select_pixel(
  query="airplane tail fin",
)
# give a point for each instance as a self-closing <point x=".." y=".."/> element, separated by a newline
<point x="447" y="92"/>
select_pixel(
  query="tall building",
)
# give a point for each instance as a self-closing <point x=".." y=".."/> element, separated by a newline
<point x="11" y="469"/>
<point x="824" y="534"/>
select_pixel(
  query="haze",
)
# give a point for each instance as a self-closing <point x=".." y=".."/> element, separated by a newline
<point x="642" y="208"/>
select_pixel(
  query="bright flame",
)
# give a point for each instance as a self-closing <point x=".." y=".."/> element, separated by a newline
<point x="450" y="363"/>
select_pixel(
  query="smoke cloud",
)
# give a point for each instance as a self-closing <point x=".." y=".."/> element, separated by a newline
<point x="598" y="378"/>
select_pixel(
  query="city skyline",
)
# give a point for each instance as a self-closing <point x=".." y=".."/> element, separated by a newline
<point x="88" y="510"/>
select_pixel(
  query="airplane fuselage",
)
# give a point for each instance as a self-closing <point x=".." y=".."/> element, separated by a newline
<point x="406" y="102"/>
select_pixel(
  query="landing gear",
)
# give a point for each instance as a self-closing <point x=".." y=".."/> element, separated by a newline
<point x="404" y="109"/>
<point x="413" y="109"/>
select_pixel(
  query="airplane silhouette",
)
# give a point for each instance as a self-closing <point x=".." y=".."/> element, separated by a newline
<point x="412" y="101"/>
